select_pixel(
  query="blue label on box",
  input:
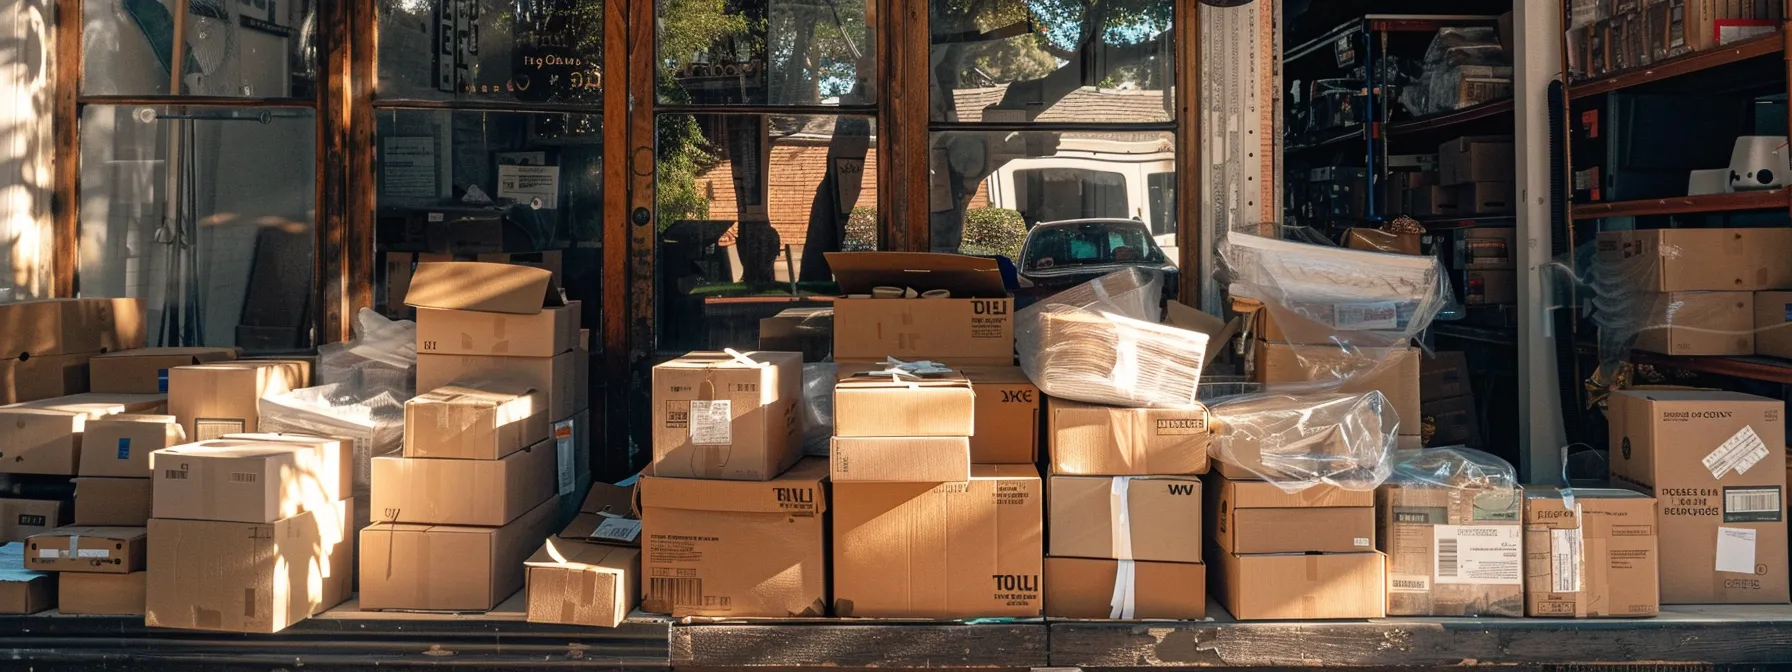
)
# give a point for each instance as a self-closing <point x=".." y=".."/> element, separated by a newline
<point x="162" y="381"/>
<point x="1789" y="312"/>
<point x="124" y="449"/>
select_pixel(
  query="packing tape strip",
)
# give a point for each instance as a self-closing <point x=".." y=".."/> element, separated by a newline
<point x="1121" y="605"/>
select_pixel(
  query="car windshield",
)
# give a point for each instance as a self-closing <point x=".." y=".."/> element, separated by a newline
<point x="1091" y="244"/>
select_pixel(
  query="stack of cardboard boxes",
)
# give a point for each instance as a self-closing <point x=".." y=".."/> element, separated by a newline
<point x="589" y="573"/>
<point x="1447" y="401"/>
<point x="1293" y="555"/>
<point x="1453" y="548"/>
<point x="1697" y="288"/>
<point x="216" y="398"/>
<point x="1290" y="350"/>
<point x="45" y="345"/>
<point x="1609" y="37"/>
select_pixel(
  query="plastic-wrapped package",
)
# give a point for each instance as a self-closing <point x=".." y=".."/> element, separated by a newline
<point x="1100" y="343"/>
<point x="375" y="423"/>
<point x="1333" y="294"/>
<point x="818" y="407"/>
<point x="1452" y="531"/>
<point x="381" y="356"/>
<point x="1464" y="66"/>
<point x="1299" y="441"/>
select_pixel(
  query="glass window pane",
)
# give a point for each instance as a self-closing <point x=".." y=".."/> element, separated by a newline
<point x="207" y="214"/>
<point x="531" y="51"/>
<point x="235" y="48"/>
<point x="1051" y="61"/>
<point x="765" y="52"/>
<point x="748" y="206"/>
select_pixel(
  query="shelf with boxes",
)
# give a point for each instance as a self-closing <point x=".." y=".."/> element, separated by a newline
<point x="1684" y="205"/>
<point x="1673" y="39"/>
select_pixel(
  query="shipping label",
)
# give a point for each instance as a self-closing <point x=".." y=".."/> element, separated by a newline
<point x="1409" y="583"/>
<point x="1736" y="550"/>
<point x="1742" y="451"/>
<point x="1757" y="504"/>
<point x="1565" y="560"/>
<point x="712" y="422"/>
<point x="1479" y="554"/>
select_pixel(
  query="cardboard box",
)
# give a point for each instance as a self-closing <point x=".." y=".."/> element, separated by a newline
<point x="1596" y="558"/>
<point x="1490" y="288"/>
<point x="1451" y="422"/>
<point x="482" y="287"/>
<point x="1246" y="516"/>
<point x="1486" y="198"/>
<point x="249" y="577"/>
<point x="1716" y="463"/>
<point x="1006" y="415"/>
<point x="1444" y="375"/>
<point x="1433" y="201"/>
<point x="718" y="417"/>
<point x="1690" y="260"/>
<point x="1090" y="440"/>
<point x="572" y="583"/>
<point x="145" y="371"/>
<point x="1161" y="521"/>
<point x="43" y="377"/>
<point x="1698" y="323"/>
<point x="806" y="330"/>
<point x="564" y="377"/>
<point x="1376" y="240"/>
<point x="24" y="592"/>
<point x="1085" y="588"/>
<point x="249" y="480"/>
<point x="736" y="548"/>
<point x="941" y="550"/>
<point x="79" y="548"/>
<point x="483" y="421"/>
<point x="119" y="445"/>
<point x="463" y="492"/>
<point x="448" y="568"/>
<point x="867" y="405"/>
<point x="607" y="516"/>
<point x="546" y="333"/>
<point x="47" y="327"/>
<point x="1394" y="371"/>
<point x="1299" y="586"/>
<point x="974" y="327"/>
<point x="1472" y="159"/>
<point x="44" y="437"/>
<point x="921" y="459"/>
<point x="112" y="502"/>
<point x="1488" y="249"/>
<point x="82" y="594"/>
<point x="1452" y="552"/>
<point x="211" y="400"/>
<point x="1773" y="312"/>
<point x="21" y="519"/>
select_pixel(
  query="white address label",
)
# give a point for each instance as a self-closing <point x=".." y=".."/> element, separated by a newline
<point x="1479" y="554"/>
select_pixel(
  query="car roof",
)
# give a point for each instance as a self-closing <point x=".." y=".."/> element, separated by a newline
<point x="1068" y="223"/>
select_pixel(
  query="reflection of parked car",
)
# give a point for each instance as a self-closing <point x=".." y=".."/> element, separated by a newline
<point x="1063" y="254"/>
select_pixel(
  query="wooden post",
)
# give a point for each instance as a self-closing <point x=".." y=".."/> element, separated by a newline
<point x="1190" y="164"/>
<point x="65" y="128"/>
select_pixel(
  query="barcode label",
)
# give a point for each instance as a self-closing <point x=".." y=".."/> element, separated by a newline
<point x="1753" y="504"/>
<point x="243" y="477"/>
<point x="174" y="475"/>
<point x="1479" y="554"/>
<point x="1409" y="583"/>
<point x="1447" y="559"/>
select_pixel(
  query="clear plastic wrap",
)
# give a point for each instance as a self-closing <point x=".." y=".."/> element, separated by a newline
<point x="374" y="422"/>
<point x="1460" y="503"/>
<point x="1299" y="441"/>
<point x="1464" y="66"/>
<point x="381" y="356"/>
<point x="1454" y="468"/>
<point x="818" y="406"/>
<point x="1100" y="343"/>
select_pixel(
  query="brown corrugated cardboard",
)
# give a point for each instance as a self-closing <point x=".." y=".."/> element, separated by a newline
<point x="21" y="519"/>
<point x="1451" y="422"/>
<point x="48" y="327"/>
<point x="336" y="455"/>
<point x="1299" y="586"/>
<point x="1698" y="323"/>
<point x="79" y="548"/>
<point x="119" y="445"/>
<point x="248" y="577"/>
<point x="1376" y="240"/>
<point x="463" y="492"/>
<point x="484" y="287"/>
<point x="248" y="480"/>
<point x="1444" y="376"/>
<point x="606" y="517"/>
<point x="1084" y="588"/>
<point x="1682" y="260"/>
<point x="1773" y="315"/>
<point x="43" y="377"/>
<point x="121" y="502"/>
<point x="1160" y="519"/>
<point x="1716" y="463"/>
<point x="145" y="371"/>
<point x="716" y="416"/>
<point x="211" y="400"/>
<point x="922" y="459"/>
<point x="24" y="592"/>
<point x="572" y="583"/>
<point x="1257" y="517"/>
<point x="563" y="377"/>
<point x="1091" y="440"/>
<point x="465" y="332"/>
<point x="1475" y="571"/>
<point x="83" y="594"/>
<point x="448" y="568"/>
<point x="869" y="405"/>
<point x="475" y="421"/>
<point x="1594" y="558"/>
<point x="1007" y="415"/>
<point x="1485" y="198"/>
<point x="736" y="548"/>
<point x="945" y="550"/>
<point x="806" y="330"/>
<point x="974" y="327"/>
<point x="1472" y="159"/>
<point x="44" y="437"/>
<point x="1393" y="371"/>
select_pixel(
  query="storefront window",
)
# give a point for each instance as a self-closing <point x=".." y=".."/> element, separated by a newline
<point x="235" y="48"/>
<point x="492" y="51"/>
<point x="765" y="52"/>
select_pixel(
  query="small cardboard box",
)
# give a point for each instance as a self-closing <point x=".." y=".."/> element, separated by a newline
<point x="119" y="445"/>
<point x="1161" y="521"/>
<point x="82" y="594"/>
<point x="1444" y="376"/>
<point x="21" y="519"/>
<point x="1472" y="159"/>
<point x="23" y="592"/>
<point x="1085" y="588"/>
<point x="112" y="502"/>
<point x="1488" y="249"/>
<point x="1300" y="586"/>
<point x="736" y="548"/>
<point x="145" y="371"/>
<point x="1486" y="198"/>
<point x="44" y="437"/>
<point x="43" y="377"/>
<point x="549" y="332"/>
<point x="715" y="416"/>
<point x="249" y="480"/>
<point x="564" y="377"/>
<point x="476" y="421"/>
<point x="211" y="400"/>
<point x="940" y="550"/>
<point x="973" y="327"/>
<point x="1773" y="324"/>
<point x="921" y="459"/>
<point x="1715" y="461"/>
<point x="482" y="287"/>
<point x="1698" y="323"/>
<point x="1007" y="415"/>
<point x="1433" y="201"/>
<point x="867" y="405"/>
<point x="448" y="568"/>
<point x="79" y="548"/>
<point x="1595" y="559"/>
<point x="249" y="577"/>
<point x="1393" y="371"/>
<point x="572" y="583"/>
<point x="1692" y="260"/>
<point x="1091" y="440"/>
<point x="1258" y="517"/>
<point x="463" y="492"/>
<point x="1451" y="552"/>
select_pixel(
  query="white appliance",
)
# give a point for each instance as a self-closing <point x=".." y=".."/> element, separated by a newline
<point x="1759" y="162"/>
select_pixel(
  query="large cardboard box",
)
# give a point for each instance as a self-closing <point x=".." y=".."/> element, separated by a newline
<point x="1773" y="324"/>
<point x="83" y="594"/>
<point x="941" y="550"/>
<point x="1472" y="159"/>
<point x="44" y="437"/>
<point x="211" y="400"/>
<point x="1257" y="517"/>
<point x="1090" y="440"/>
<point x="972" y="327"/>
<point x="250" y="480"/>
<point x="43" y="377"/>
<point x="549" y="332"/>
<point x="1148" y="518"/>
<point x="1715" y="461"/>
<point x="1698" y="323"/>
<point x="1692" y="260"/>
<point x="867" y="405"/>
<point x="463" y="492"/>
<point x="21" y="519"/>
<point x="1376" y="240"/>
<point x="1444" y="376"/>
<point x="482" y="287"/>
<point x="119" y="445"/>
<point x="920" y="459"/>
<point x="1007" y="415"/>
<point x="483" y="421"/>
<point x="715" y="416"/>
<point x="249" y="577"/>
<point x="1596" y="557"/>
<point x="565" y="377"/>
<point x="736" y="548"/>
<point x="1299" y="586"/>
<point x="1393" y="371"/>
<point x="1086" y="588"/>
<point x="1451" y="552"/>
<point x="80" y="548"/>
<point x="446" y="567"/>
<point x="112" y="502"/>
<point x="1485" y="198"/>
<point x="48" y="327"/>
<point x="24" y="592"/>
<point x="573" y="583"/>
<point x="806" y="330"/>
<point x="145" y="371"/>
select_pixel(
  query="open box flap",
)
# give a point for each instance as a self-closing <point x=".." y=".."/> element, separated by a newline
<point x="966" y="277"/>
<point x="1219" y="332"/>
<point x="857" y="377"/>
<point x="483" y="287"/>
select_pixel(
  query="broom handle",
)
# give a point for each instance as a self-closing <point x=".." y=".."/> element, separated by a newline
<point x="179" y="62"/>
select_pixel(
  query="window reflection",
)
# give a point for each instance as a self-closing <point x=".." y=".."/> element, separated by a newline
<point x="235" y="48"/>
<point x="491" y="50"/>
<point x="765" y="52"/>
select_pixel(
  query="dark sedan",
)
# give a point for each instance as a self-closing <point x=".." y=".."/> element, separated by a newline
<point x="1058" y="255"/>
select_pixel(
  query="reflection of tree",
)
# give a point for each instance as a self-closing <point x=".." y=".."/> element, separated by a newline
<point x="686" y="28"/>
